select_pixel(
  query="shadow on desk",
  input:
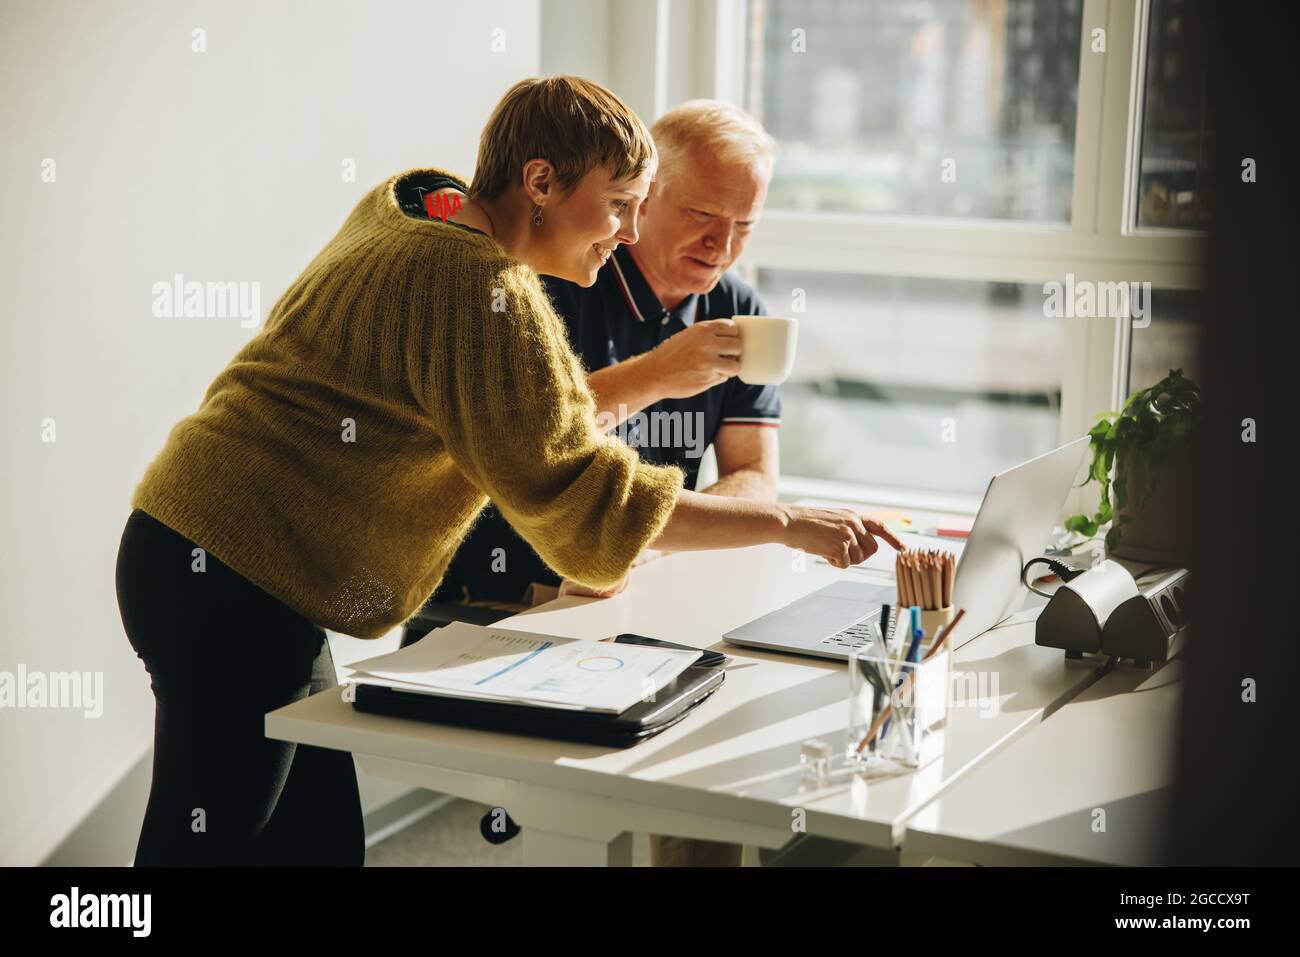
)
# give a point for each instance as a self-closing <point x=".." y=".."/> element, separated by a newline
<point x="773" y="708"/>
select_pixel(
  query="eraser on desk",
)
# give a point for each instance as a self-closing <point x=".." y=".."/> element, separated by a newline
<point x="815" y="758"/>
<point x="952" y="526"/>
<point x="815" y="750"/>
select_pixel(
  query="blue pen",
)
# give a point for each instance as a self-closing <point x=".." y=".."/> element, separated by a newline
<point x="917" y="636"/>
<point x="913" y="655"/>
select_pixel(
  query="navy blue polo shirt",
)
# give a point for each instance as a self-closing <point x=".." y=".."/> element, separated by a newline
<point x="619" y="317"/>
<point x="616" y="318"/>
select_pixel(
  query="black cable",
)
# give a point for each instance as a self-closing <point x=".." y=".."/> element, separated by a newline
<point x="1063" y="571"/>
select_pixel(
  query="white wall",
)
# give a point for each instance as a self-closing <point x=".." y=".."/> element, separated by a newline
<point x="222" y="165"/>
<point x="575" y="37"/>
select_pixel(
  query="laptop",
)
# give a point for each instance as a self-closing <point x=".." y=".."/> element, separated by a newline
<point x="1020" y="508"/>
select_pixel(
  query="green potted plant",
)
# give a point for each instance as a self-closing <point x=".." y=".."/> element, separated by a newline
<point x="1147" y="444"/>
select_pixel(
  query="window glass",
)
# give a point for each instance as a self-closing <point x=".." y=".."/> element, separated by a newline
<point x="956" y="108"/>
<point x="927" y="384"/>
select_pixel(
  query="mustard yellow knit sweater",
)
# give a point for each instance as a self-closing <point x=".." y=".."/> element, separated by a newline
<point x="413" y="371"/>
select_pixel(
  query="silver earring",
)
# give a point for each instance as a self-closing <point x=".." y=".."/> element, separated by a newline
<point x="537" y="216"/>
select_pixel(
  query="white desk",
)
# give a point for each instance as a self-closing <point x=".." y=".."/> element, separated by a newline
<point x="730" y="771"/>
<point x="1109" y="750"/>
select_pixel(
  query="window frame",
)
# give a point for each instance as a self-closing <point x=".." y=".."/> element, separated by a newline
<point x="698" y="52"/>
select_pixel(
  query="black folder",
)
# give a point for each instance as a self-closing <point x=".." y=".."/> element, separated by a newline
<point x="643" y="720"/>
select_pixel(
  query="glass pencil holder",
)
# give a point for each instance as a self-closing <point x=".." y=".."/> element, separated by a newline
<point x="897" y="704"/>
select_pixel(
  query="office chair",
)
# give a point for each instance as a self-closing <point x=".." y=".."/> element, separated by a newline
<point x="498" y="829"/>
<point x="435" y="614"/>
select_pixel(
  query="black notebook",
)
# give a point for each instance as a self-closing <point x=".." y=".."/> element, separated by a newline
<point x="643" y="720"/>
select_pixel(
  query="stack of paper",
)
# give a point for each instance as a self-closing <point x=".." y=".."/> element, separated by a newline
<point x="470" y="661"/>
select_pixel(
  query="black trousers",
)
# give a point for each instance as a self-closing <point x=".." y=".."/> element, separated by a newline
<point x="221" y="653"/>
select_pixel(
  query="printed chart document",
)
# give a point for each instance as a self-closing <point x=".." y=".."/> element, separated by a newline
<point x="472" y="661"/>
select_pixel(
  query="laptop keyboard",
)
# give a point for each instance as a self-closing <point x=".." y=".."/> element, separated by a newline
<point x="859" y="633"/>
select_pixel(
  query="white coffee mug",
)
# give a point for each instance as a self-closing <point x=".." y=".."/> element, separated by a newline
<point x="766" y="348"/>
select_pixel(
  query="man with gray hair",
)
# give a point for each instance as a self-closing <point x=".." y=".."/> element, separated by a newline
<point x="656" y="337"/>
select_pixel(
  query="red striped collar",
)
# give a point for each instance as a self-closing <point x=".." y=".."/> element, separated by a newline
<point x="634" y="287"/>
<point x="624" y="288"/>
